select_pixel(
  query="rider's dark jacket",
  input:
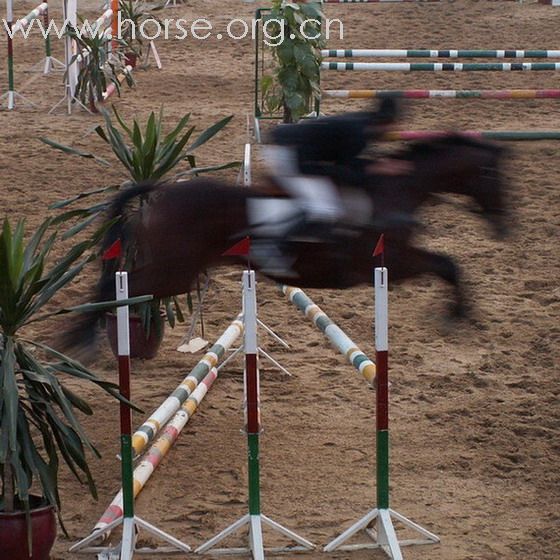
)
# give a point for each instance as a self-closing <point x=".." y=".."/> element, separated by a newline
<point x="329" y="145"/>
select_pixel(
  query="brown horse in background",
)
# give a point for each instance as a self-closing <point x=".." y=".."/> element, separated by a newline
<point x="184" y="228"/>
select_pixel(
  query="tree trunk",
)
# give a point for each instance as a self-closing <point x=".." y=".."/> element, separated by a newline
<point x="287" y="118"/>
<point x="8" y="486"/>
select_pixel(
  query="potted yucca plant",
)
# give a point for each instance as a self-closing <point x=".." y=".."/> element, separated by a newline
<point x="100" y="66"/>
<point x="147" y="153"/>
<point x="39" y="421"/>
<point x="134" y="13"/>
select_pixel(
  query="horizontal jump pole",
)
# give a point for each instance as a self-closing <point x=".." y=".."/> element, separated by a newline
<point x="333" y="332"/>
<point x="507" y="135"/>
<point x="149" y="429"/>
<point x="112" y="87"/>
<point x="442" y="66"/>
<point x="442" y="53"/>
<point x="144" y="470"/>
<point x="443" y="93"/>
<point x="33" y="14"/>
<point x="103" y="20"/>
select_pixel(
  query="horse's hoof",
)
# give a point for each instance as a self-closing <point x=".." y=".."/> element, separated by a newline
<point x="458" y="312"/>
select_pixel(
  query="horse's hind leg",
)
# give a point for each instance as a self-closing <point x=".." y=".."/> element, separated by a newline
<point x="412" y="261"/>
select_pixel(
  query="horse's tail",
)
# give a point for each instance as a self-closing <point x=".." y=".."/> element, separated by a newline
<point x="81" y="337"/>
<point x="116" y="212"/>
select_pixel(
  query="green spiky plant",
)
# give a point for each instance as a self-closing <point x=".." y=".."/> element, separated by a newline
<point x="133" y="14"/>
<point x="147" y="153"/>
<point x="294" y="84"/>
<point x="38" y="410"/>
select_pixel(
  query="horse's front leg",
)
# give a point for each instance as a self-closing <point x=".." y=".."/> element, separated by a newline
<point x="408" y="262"/>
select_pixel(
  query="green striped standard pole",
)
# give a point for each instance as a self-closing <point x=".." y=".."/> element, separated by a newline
<point x="131" y="524"/>
<point x="51" y="63"/>
<point x="123" y="344"/>
<point x="11" y="95"/>
<point x="254" y="519"/>
<point x="378" y="523"/>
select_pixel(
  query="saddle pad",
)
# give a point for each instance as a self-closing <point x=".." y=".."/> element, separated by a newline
<point x="270" y="217"/>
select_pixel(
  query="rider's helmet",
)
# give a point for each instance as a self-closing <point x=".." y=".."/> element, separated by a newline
<point x="381" y="119"/>
<point x="387" y="112"/>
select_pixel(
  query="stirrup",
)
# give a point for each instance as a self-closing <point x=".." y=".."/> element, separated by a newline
<point x="271" y="260"/>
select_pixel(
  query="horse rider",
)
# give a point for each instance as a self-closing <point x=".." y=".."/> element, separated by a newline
<point x="306" y="158"/>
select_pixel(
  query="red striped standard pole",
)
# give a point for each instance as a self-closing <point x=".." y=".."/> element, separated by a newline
<point x="378" y="523"/>
<point x="252" y="397"/>
<point x="254" y="519"/>
<point x="123" y="345"/>
<point x="131" y="524"/>
<point x="382" y="386"/>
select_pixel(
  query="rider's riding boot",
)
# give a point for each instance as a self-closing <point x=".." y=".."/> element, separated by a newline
<point x="272" y="258"/>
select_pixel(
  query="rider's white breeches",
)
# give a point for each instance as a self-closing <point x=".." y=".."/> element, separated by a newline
<point x="317" y="196"/>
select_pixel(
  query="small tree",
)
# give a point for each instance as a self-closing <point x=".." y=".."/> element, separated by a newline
<point x="133" y="14"/>
<point x="39" y="411"/>
<point x="294" y="85"/>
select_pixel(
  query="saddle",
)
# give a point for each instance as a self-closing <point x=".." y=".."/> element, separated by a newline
<point x="276" y="215"/>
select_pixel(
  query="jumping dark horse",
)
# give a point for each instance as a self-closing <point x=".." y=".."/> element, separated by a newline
<point x="186" y="227"/>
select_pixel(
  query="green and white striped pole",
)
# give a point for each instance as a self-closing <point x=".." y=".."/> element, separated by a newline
<point x="443" y="66"/>
<point x="441" y="53"/>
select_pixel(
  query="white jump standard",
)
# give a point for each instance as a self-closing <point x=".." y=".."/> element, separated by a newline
<point x="131" y="524"/>
<point x="254" y="519"/>
<point x="384" y="535"/>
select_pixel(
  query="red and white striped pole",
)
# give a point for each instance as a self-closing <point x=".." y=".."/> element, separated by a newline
<point x="123" y="345"/>
<point x="378" y="523"/>
<point x="254" y="519"/>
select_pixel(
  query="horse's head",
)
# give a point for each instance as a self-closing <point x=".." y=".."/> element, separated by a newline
<point x="478" y="175"/>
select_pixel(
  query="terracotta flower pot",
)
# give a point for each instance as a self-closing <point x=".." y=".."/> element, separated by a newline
<point x="130" y="59"/>
<point x="141" y="346"/>
<point x="13" y="533"/>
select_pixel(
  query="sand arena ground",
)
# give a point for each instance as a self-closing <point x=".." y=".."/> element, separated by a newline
<point x="474" y="412"/>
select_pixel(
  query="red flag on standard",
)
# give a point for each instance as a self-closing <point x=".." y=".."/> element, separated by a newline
<point x="241" y="248"/>
<point x="380" y="246"/>
<point x="113" y="252"/>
